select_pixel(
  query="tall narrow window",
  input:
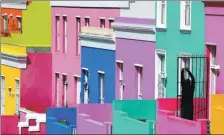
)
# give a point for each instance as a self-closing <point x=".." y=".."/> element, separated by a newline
<point x="57" y="33"/>
<point x="110" y="22"/>
<point x="19" y="19"/>
<point x="212" y="50"/>
<point x="78" y="89"/>
<point x="160" y="73"/>
<point x="187" y="13"/>
<point x="87" y="21"/>
<point x="161" y="14"/>
<point x="65" y="85"/>
<point x="65" y="34"/>
<point x="102" y="87"/>
<point x="102" y="23"/>
<point x="17" y="96"/>
<point x="57" y="86"/>
<point x="121" y="79"/>
<point x="86" y="87"/>
<point x="5" y="24"/>
<point x="139" y="81"/>
<point x="78" y="29"/>
<point x="2" y="95"/>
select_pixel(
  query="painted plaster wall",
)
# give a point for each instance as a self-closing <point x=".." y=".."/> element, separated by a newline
<point x="126" y="115"/>
<point x="35" y="31"/>
<point x="91" y="116"/>
<point x="136" y="52"/>
<point x="61" y="60"/>
<point x="147" y="10"/>
<point x="101" y="60"/>
<point x="214" y="24"/>
<point x="174" y="42"/>
<point x="217" y="112"/>
<point x="10" y="74"/>
<point x="36" y="87"/>
<point x="9" y="124"/>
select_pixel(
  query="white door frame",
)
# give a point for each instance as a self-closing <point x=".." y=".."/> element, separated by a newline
<point x="102" y="86"/>
<point x="2" y="95"/>
<point x="120" y="66"/>
<point x="65" y="87"/>
<point x="158" y="70"/>
<point x="86" y="92"/>
<point x="139" y="69"/>
<point x="78" y="88"/>
<point x="57" y="89"/>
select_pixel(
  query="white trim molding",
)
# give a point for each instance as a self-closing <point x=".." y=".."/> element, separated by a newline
<point x="101" y="72"/>
<point x="17" y="61"/>
<point x="134" y="31"/>
<point x="138" y="65"/>
<point x="119" y="61"/>
<point x="77" y="76"/>
<point x="14" y="5"/>
<point x="91" y="4"/>
<point x="86" y="69"/>
<point x="184" y="25"/>
<point x="161" y="14"/>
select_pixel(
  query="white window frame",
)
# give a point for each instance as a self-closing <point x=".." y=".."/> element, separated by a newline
<point x="139" y="70"/>
<point x="17" y="83"/>
<point x="164" y="75"/>
<point x="57" y="19"/>
<point x="19" y="19"/>
<point x="86" y="92"/>
<point x="87" y="21"/>
<point x="120" y="66"/>
<point x="78" y="21"/>
<point x="161" y="16"/>
<point x="57" y="76"/>
<point x="65" y="23"/>
<point x="65" y="88"/>
<point x="5" y="21"/>
<point x="2" y="95"/>
<point x="212" y="51"/>
<point x="102" y="86"/>
<point x="182" y="54"/>
<point x="183" y="15"/>
<point x="78" y="88"/>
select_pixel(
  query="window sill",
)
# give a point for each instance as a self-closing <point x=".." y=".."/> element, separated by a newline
<point x="185" y="30"/>
<point x="161" y="29"/>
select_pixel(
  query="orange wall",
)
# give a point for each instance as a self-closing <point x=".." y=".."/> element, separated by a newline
<point x="12" y="23"/>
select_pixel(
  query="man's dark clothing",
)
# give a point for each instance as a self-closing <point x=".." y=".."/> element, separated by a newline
<point x="187" y="104"/>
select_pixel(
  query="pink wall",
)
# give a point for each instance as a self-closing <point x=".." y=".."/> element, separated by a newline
<point x="68" y="62"/>
<point x="214" y="34"/>
<point x="9" y="125"/>
<point x="36" y="85"/>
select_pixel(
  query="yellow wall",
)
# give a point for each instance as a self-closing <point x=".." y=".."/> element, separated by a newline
<point x="10" y="74"/>
<point x="217" y="114"/>
<point x="12" y="49"/>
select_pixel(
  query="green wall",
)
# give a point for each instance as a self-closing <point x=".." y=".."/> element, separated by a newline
<point x="36" y="26"/>
<point x="174" y="42"/>
<point x="126" y="113"/>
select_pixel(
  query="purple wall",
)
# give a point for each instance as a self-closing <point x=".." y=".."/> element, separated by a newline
<point x="214" y="34"/>
<point x="95" y="117"/>
<point x="36" y="87"/>
<point x="136" y="52"/>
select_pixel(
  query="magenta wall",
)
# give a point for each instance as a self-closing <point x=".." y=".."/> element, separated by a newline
<point x="95" y="117"/>
<point x="214" y="34"/>
<point x="36" y="87"/>
<point x="9" y="125"/>
<point x="68" y="62"/>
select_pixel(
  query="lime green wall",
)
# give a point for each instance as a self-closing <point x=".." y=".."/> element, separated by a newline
<point x="36" y="26"/>
<point x="126" y="113"/>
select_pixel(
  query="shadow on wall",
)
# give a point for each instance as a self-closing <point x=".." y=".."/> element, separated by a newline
<point x="168" y="123"/>
<point x="9" y="125"/>
<point x="97" y="117"/>
<point x="217" y="114"/>
<point x="59" y="123"/>
<point x="134" y="116"/>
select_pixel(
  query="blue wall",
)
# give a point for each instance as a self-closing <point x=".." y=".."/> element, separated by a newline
<point x="56" y="114"/>
<point x="95" y="60"/>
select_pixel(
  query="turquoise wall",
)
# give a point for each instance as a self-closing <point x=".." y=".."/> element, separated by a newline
<point x="174" y="42"/>
<point x="127" y="112"/>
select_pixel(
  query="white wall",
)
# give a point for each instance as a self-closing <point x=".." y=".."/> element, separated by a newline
<point x="140" y="9"/>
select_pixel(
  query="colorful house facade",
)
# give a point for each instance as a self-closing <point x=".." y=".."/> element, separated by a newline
<point x="66" y="47"/>
<point x="98" y="73"/>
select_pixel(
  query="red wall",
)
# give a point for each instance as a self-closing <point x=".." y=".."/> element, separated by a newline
<point x="9" y="125"/>
<point x="36" y="82"/>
